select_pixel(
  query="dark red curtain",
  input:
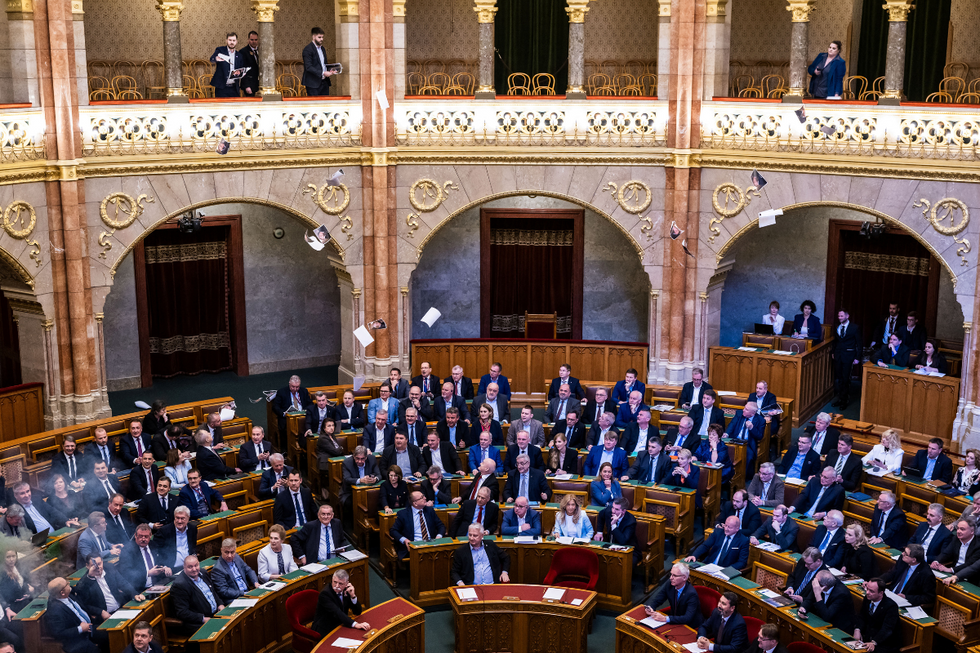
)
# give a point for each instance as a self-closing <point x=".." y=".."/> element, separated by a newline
<point x="531" y="269"/>
<point x="9" y="346"/>
<point x="187" y="297"/>
<point x="873" y="273"/>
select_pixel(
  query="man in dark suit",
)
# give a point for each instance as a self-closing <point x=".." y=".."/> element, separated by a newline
<point x="92" y="541"/>
<point x="176" y="540"/>
<point x="194" y="597"/>
<point x="800" y="460"/>
<point x="415" y="399"/>
<point x="399" y="386"/>
<point x="445" y="457"/>
<point x="349" y="415"/>
<point x="911" y="334"/>
<point x="828" y="538"/>
<point x="274" y="479"/>
<point x="212" y="424"/>
<point x="358" y="468"/>
<point x="682" y="436"/>
<point x="68" y="463"/>
<point x="748" y="426"/>
<point x="102" y="449"/>
<point x="462" y="385"/>
<point x="799" y="584"/>
<point x="292" y="397"/>
<point x="911" y="577"/>
<point x="429" y="383"/>
<point x="766" y="401"/>
<point x="562" y="404"/>
<point x="494" y="376"/>
<point x="888" y="523"/>
<point x="768" y="641"/>
<point x="100" y="487"/>
<point x="453" y="430"/>
<point x="888" y="325"/>
<point x="847" y="352"/>
<point x="91" y="590"/>
<point x="693" y="390"/>
<point x="143" y="478"/>
<point x="66" y="621"/>
<point x="163" y="442"/>
<point x="680" y="595"/>
<point x="316" y="77"/>
<point x="157" y="509"/>
<point x="650" y="466"/>
<point x="725" y="629"/>
<point x="847" y="466"/>
<point x="316" y="414"/>
<point x="820" y="495"/>
<point x="37" y="515"/>
<point x="823" y="436"/>
<point x="961" y="557"/>
<point x="417" y="523"/>
<point x="522" y="520"/>
<point x="932" y="534"/>
<point x="576" y="436"/>
<point x="231" y="576"/>
<point x="119" y="526"/>
<point x="209" y="463"/>
<point x="413" y="428"/>
<point x="254" y="454"/>
<point x="622" y="390"/>
<point x="250" y="59"/>
<point x="142" y="640"/>
<point x="932" y="463"/>
<point x="635" y="435"/>
<point x="565" y="378"/>
<point x="476" y="511"/>
<point x="499" y="405"/>
<point x="629" y="412"/>
<point x="614" y="524"/>
<point x="404" y="454"/>
<point x="132" y="446"/>
<point x="226" y="59"/>
<point x="595" y="407"/>
<point x="525" y="481"/>
<point x="320" y="538"/>
<point x="749" y="517"/>
<point x="707" y="407"/>
<point x="199" y="497"/>
<point x="878" y="619"/>
<point x="726" y="547"/>
<point x="780" y="530"/>
<point x="380" y="434"/>
<point x="523" y="446"/>
<point x="449" y="399"/>
<point x="292" y="509"/>
<point x="335" y="603"/>
<point x="894" y="352"/>
<point x="467" y="570"/>
<point x="831" y="601"/>
<point x="140" y="563"/>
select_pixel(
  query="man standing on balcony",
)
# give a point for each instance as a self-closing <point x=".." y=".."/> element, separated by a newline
<point x="250" y="80"/>
<point x="316" y="77"/>
<point x="226" y="59"/>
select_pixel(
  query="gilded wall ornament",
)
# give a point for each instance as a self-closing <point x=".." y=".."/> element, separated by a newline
<point x="801" y="10"/>
<point x="634" y="197"/>
<point x="331" y="204"/>
<point x="346" y="225"/>
<point x="36" y="252"/>
<point x="426" y="195"/>
<point x="131" y="209"/>
<point x="19" y="220"/>
<point x="732" y="200"/>
<point x="948" y="207"/>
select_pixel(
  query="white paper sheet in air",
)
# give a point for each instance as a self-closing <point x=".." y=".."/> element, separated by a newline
<point x="553" y="594"/>
<point x="431" y="316"/>
<point x="125" y="614"/>
<point x="363" y="336"/>
<point x="902" y="603"/>
<point x="227" y="414"/>
<point x="466" y="594"/>
<point x="345" y="642"/>
<point x="358" y="383"/>
<point x="382" y="100"/>
<point x="768" y="218"/>
<point x="243" y="603"/>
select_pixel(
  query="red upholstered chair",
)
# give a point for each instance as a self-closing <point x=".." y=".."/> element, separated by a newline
<point x="709" y="600"/>
<point x="573" y="567"/>
<point x="301" y="607"/>
<point x="803" y="647"/>
<point x="753" y="625"/>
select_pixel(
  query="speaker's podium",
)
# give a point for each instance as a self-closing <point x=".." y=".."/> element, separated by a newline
<point x="397" y="626"/>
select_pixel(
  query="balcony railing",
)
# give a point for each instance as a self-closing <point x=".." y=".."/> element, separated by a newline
<point x="21" y="135"/>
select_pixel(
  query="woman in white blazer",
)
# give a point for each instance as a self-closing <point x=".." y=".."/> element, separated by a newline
<point x="269" y="555"/>
<point x="887" y="455"/>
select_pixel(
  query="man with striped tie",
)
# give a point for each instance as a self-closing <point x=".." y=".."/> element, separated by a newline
<point x="419" y="523"/>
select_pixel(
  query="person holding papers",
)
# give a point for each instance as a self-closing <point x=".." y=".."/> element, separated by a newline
<point x="605" y="488"/>
<point x="522" y="520"/>
<point x="714" y="452"/>
<point x="725" y="547"/>
<point x="858" y="558"/>
<point x="800" y="461"/>
<point x="829" y="538"/>
<point x="820" y="495"/>
<point x="847" y="466"/>
<point x="226" y="60"/>
<point x="911" y="578"/>
<point x="336" y="601"/>
<point x="316" y="69"/>
<point x="651" y="466"/>
<point x="780" y="530"/>
<point x="320" y="538"/>
<point x="680" y="595"/>
<point x="418" y="523"/>
<point x="932" y="360"/>
<point x="878" y="621"/>
<point x="571" y="521"/>
<point x="888" y="454"/>
<point x="830" y="600"/>
<point x="527" y="482"/>
<point x="933" y="464"/>
<point x="479" y="562"/>
<point x="931" y="533"/>
<point x="725" y="630"/>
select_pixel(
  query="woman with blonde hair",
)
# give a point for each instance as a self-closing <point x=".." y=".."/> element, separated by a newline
<point x="858" y="558"/>
<point x="570" y="520"/>
<point x="888" y="454"/>
<point x="967" y="478"/>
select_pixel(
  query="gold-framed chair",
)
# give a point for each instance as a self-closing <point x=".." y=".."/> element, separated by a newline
<point x="129" y="94"/>
<point x="413" y="66"/>
<point x="956" y="69"/>
<point x="153" y="79"/>
<point x="609" y="67"/>
<point x="519" y="84"/>
<point x="648" y="81"/>
<point x="190" y="87"/>
<point x="288" y="84"/>
<point x="101" y="94"/>
<point x="436" y="84"/>
<point x="939" y="97"/>
<point x="973" y="86"/>
<point x="772" y="83"/>
<point x="543" y="84"/>
<point x="627" y="84"/>
<point x="635" y="68"/>
<point x="750" y="92"/>
<point x="430" y="66"/>
<point x="126" y="83"/>
<point x="742" y="82"/>
<point x="855" y="86"/>
<point x="969" y="98"/>
<point x="955" y="86"/>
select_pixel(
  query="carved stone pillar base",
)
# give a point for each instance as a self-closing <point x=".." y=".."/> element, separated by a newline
<point x="793" y="96"/>
<point x="576" y="94"/>
<point x="485" y="94"/>
<point x="890" y="101"/>
<point x="270" y="95"/>
<point x="177" y="98"/>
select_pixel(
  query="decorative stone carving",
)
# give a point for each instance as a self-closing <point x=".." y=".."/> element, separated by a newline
<point x="426" y="195"/>
<point x="577" y="9"/>
<point x="898" y="10"/>
<point x="634" y="197"/>
<point x="170" y="10"/>
<point x="945" y="208"/>
<point x="19" y="220"/>
<point x="20" y="6"/>
<point x="265" y="10"/>
<point x="131" y="208"/>
<point x="349" y="8"/>
<point x="714" y="8"/>
<point x="398" y="8"/>
<point x="485" y="10"/>
<point x="801" y="10"/>
<point x="733" y="200"/>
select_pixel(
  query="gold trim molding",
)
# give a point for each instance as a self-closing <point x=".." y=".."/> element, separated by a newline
<point x="949" y="207"/>
<point x="132" y="209"/>
<point x="20" y="6"/>
<point x="265" y="10"/>
<point x="349" y="9"/>
<point x="715" y="8"/>
<point x="898" y="10"/>
<point x="22" y="274"/>
<point x="430" y="189"/>
<point x="664" y="8"/>
<point x="801" y="10"/>
<point x="398" y="9"/>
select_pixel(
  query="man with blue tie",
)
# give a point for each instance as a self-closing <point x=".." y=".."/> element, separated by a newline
<point x="798" y="585"/>
<point x="231" y="576"/>
<point x="320" y="538"/>
<point x="725" y="547"/>
<point x="828" y="538"/>
<point x="820" y="495"/>
<point x="68" y="623"/>
<point x="562" y="404"/>
<point x="932" y="534"/>
<point x="748" y="427"/>
<point x="483" y="451"/>
<point x="478" y="562"/>
<point x="680" y="595"/>
<point x="911" y="578"/>
<point x="194" y="597"/>
<point x="522" y="520"/>
<point x="294" y="508"/>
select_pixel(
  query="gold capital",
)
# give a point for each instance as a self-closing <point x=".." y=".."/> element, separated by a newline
<point x="898" y="10"/>
<point x="76" y="7"/>
<point x="170" y="10"/>
<point x="20" y="6"/>
<point x="576" y="10"/>
<point x="398" y="8"/>
<point x="348" y="9"/>
<point x="265" y="10"/>
<point x="664" y="7"/>
<point x="714" y="8"/>
<point x="485" y="10"/>
<point x="801" y="10"/>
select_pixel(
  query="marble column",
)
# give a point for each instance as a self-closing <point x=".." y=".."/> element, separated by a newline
<point x="485" y="11"/>
<point x="717" y="47"/>
<point x="576" y="48"/>
<point x="898" y="17"/>
<point x="23" y="59"/>
<point x="172" y="58"/>
<point x="265" y="11"/>
<point x="799" y="49"/>
<point x="398" y="44"/>
<point x="81" y="61"/>
<point x="348" y="42"/>
<point x="663" y="51"/>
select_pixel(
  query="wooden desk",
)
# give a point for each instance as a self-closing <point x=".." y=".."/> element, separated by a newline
<point x="516" y="618"/>
<point x="923" y="407"/>
<point x="806" y="377"/>
<point x="634" y="637"/>
<point x="529" y="563"/>
<point x="397" y="626"/>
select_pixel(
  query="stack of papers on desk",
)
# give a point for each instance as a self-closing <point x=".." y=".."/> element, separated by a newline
<point x="713" y="570"/>
<point x="313" y="567"/>
<point x="526" y="539"/>
<point x="553" y="594"/>
<point x="692" y="647"/>
<point x="916" y="613"/>
<point x="273" y="586"/>
<point x="794" y="481"/>
<point x="344" y="642"/>
<point x="353" y="555"/>
<point x="650" y="622"/>
<point x="747" y="349"/>
<point x="663" y="407"/>
<point x="939" y="574"/>
<point x="125" y="614"/>
<point x="725" y="393"/>
<point x="573" y="540"/>
<point x="875" y="471"/>
<point x="466" y="594"/>
<point x="243" y="603"/>
<point x="562" y="477"/>
<point x="769" y="546"/>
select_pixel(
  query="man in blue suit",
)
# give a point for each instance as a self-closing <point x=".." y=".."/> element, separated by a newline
<point x="384" y="404"/>
<point x="495" y="377"/>
<point x="379" y="434"/>
<point x="521" y="520"/>
<point x="416" y="523"/>
<point x="565" y="377"/>
<point x="483" y="450"/>
<point x="629" y="411"/>
<point x="621" y="391"/>
<point x="607" y="453"/>
<point x="199" y="497"/>
<point x="680" y="595"/>
<point x="67" y="623"/>
<point x="800" y="460"/>
<point x="748" y="426"/>
<point x="931" y="533"/>
<point x="224" y="85"/>
<point x="888" y="523"/>
<point x="726" y="547"/>
<point x="820" y="495"/>
<point x="932" y="463"/>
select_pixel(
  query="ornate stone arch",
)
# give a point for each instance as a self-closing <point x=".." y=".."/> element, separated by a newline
<point x="20" y="272"/>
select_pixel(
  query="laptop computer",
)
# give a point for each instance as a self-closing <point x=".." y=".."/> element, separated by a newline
<point x="763" y="329"/>
<point x="40" y="538"/>
<point x="913" y="474"/>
